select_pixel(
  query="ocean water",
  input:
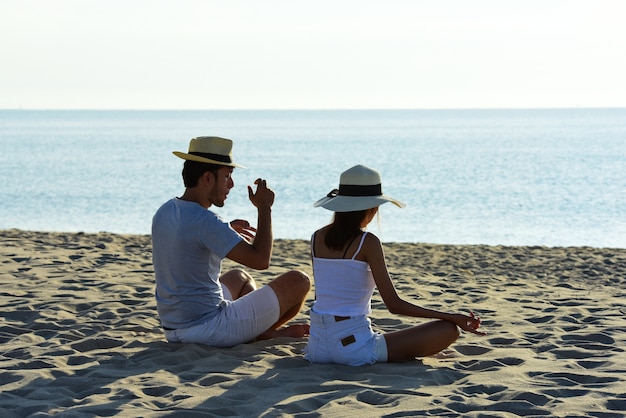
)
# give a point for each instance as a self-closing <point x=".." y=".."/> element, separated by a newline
<point x="552" y="177"/>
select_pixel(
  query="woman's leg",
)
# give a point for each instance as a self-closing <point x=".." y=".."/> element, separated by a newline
<point x="420" y="341"/>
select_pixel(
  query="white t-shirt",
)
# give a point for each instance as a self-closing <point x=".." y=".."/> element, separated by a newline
<point x="188" y="245"/>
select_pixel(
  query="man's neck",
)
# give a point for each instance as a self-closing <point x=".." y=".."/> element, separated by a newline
<point x="193" y="195"/>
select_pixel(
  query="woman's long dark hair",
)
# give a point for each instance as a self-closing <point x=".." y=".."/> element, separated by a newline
<point x="345" y="226"/>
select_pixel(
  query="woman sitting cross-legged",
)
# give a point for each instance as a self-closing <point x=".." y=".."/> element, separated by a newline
<point x="348" y="264"/>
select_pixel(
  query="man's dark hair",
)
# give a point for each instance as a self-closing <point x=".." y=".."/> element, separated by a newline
<point x="193" y="170"/>
<point x="345" y="226"/>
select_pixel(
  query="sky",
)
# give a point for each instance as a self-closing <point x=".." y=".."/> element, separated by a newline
<point x="326" y="54"/>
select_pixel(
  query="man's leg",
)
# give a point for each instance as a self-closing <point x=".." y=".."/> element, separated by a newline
<point x="291" y="289"/>
<point x="238" y="282"/>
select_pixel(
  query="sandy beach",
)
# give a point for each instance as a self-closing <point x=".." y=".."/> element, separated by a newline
<point x="80" y="337"/>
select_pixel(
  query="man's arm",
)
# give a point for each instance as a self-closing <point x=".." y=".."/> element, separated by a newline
<point x="258" y="253"/>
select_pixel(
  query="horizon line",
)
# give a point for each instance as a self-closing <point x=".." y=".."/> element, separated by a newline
<point x="315" y="109"/>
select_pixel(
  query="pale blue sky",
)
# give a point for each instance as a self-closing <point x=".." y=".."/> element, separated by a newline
<point x="183" y="54"/>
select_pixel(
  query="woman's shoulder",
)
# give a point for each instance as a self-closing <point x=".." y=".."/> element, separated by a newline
<point x="371" y="238"/>
<point x="371" y="245"/>
<point x="319" y="233"/>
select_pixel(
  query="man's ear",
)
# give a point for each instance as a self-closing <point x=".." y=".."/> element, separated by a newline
<point x="207" y="178"/>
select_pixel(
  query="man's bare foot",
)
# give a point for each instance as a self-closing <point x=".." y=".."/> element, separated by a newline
<point x="293" y="331"/>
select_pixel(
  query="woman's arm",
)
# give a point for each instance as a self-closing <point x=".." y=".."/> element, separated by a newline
<point x="375" y="256"/>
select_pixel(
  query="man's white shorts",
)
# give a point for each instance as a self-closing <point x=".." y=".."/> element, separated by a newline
<point x="239" y="321"/>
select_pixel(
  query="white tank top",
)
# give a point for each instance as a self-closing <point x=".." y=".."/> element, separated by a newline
<point x="343" y="286"/>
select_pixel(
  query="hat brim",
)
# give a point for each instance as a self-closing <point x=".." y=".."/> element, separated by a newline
<point x="353" y="203"/>
<point x="199" y="159"/>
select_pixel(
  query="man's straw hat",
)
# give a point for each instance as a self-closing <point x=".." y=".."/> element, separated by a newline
<point x="211" y="150"/>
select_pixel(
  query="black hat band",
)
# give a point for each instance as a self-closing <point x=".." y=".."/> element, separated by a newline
<point x="216" y="157"/>
<point x="357" y="190"/>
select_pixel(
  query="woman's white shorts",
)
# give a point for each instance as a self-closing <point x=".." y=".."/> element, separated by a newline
<point x="347" y="340"/>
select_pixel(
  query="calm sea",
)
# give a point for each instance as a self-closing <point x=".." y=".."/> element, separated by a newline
<point x="513" y="177"/>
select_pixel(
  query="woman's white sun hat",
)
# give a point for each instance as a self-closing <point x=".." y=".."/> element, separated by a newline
<point x="360" y="188"/>
<point x="210" y="150"/>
